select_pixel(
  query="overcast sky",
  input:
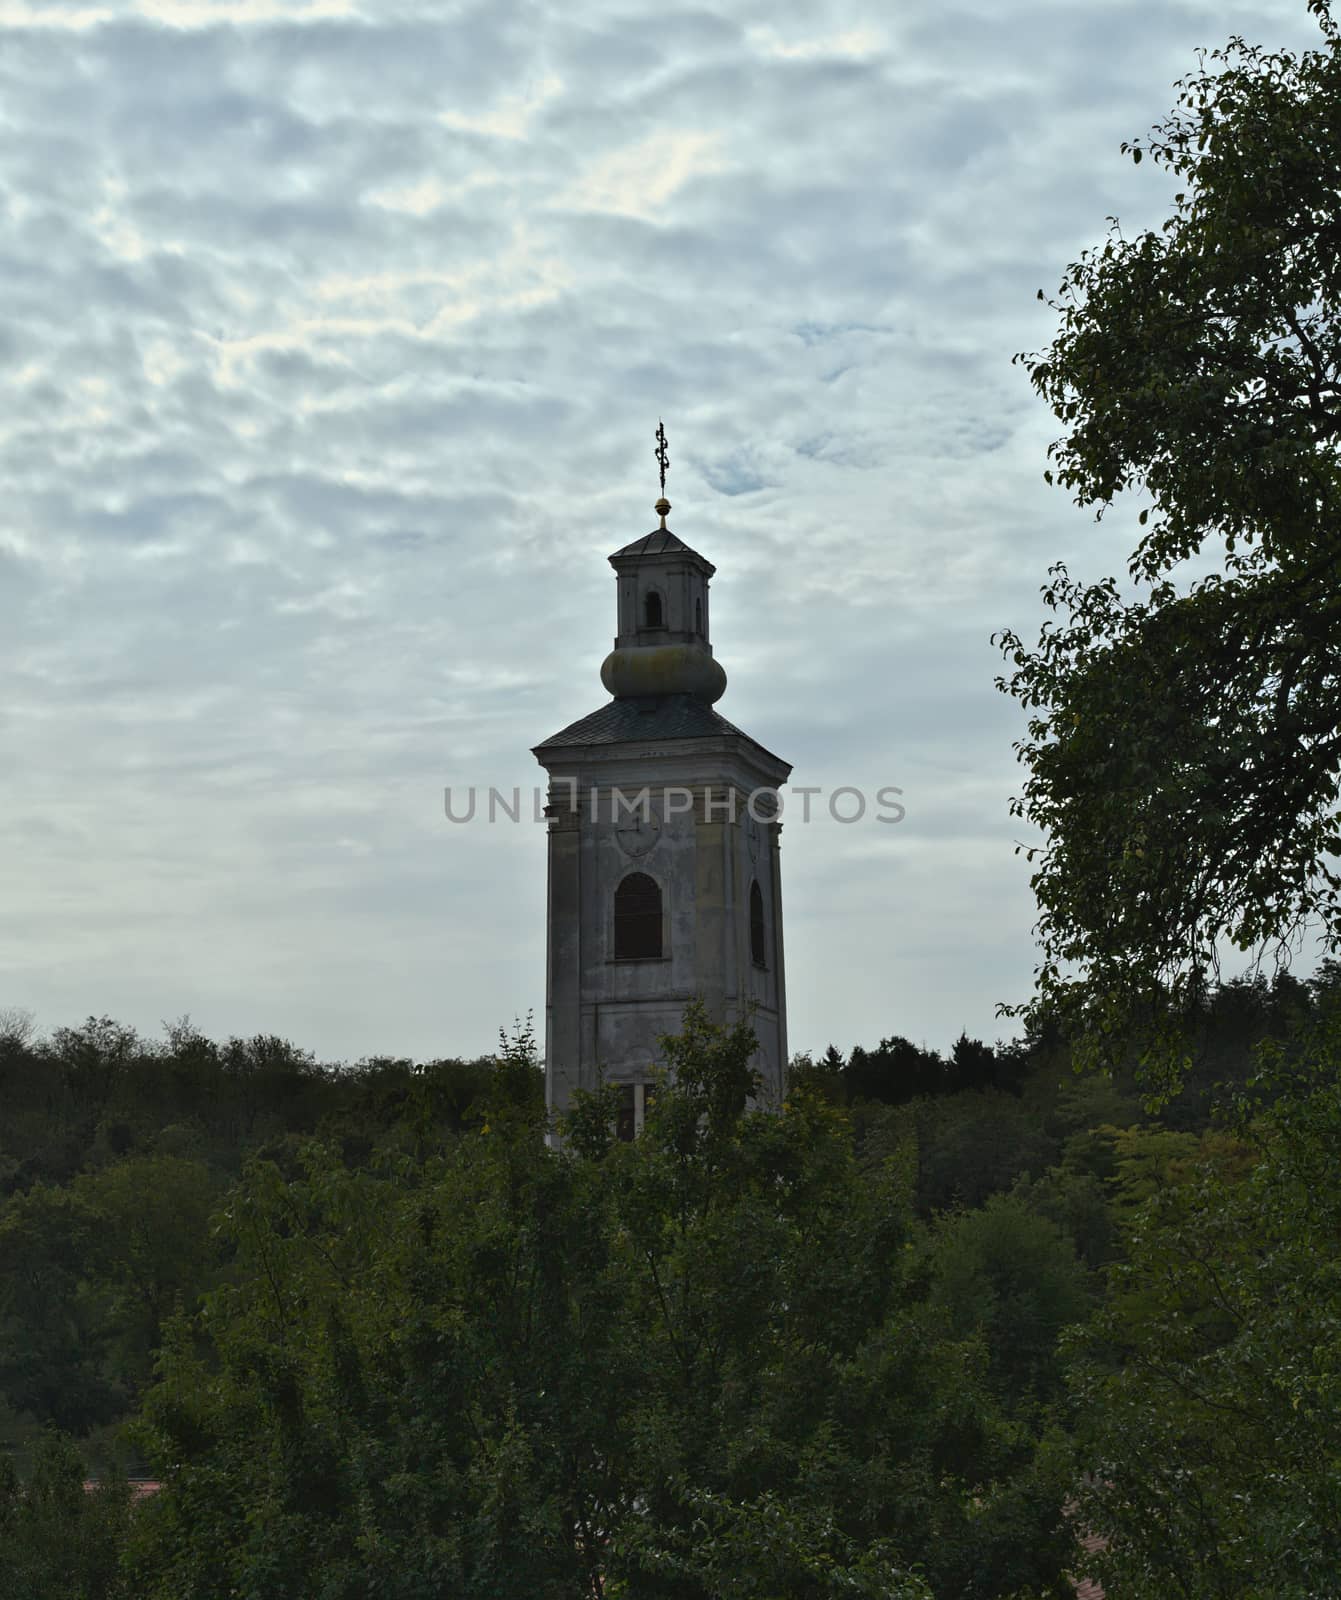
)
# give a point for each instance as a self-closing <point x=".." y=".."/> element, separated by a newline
<point x="335" y="337"/>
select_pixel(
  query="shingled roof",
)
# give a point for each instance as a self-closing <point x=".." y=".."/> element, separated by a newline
<point x="660" y="542"/>
<point x="666" y="716"/>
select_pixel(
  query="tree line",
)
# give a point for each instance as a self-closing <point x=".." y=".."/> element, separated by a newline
<point x="372" y="1333"/>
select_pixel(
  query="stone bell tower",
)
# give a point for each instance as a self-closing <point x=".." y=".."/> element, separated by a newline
<point x="664" y="882"/>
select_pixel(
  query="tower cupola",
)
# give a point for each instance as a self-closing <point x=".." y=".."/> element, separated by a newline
<point x="662" y="645"/>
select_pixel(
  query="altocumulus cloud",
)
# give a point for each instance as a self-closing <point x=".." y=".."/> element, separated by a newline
<point x="334" y="339"/>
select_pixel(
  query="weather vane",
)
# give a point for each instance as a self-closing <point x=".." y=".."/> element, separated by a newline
<point x="663" y="461"/>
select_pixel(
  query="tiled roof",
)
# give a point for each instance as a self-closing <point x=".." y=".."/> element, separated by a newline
<point x="140" y="1488"/>
<point x="1091" y="1544"/>
<point x="668" y="716"/>
<point x="660" y="542"/>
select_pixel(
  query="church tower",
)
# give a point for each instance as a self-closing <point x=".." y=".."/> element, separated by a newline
<point x="663" y="847"/>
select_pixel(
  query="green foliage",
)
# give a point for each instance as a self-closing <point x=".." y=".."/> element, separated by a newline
<point x="513" y="1100"/>
<point x="703" y="1365"/>
<point x="59" y="1540"/>
<point x="152" y="1250"/>
<point x="1010" y="1276"/>
<point x="811" y="1353"/>
<point x="824" y="1077"/>
<point x="113" y="1153"/>
<point x="898" y="1071"/>
<point x="895" y="1072"/>
<point x="88" y="1274"/>
<point x="92" y="1095"/>
<point x="762" y="1549"/>
<point x="1210" y="1387"/>
<point x="1182" y="748"/>
<point x="1079" y="1204"/>
<point x="975" y="1145"/>
<point x="53" y="1339"/>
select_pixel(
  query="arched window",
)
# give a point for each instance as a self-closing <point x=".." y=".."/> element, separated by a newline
<point x="637" y="918"/>
<point x="698" y="616"/>
<point x="757" y="926"/>
<point x="652" y="610"/>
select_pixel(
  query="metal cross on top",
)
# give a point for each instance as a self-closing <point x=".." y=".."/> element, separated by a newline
<point x="663" y="460"/>
<point x="663" y="456"/>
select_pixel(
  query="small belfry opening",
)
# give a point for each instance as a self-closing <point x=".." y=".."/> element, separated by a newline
<point x="652" y="614"/>
<point x="637" y="918"/>
<point x="698" y="617"/>
<point x="757" y="949"/>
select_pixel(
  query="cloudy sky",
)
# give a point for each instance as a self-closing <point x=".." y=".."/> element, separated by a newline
<point x="335" y="336"/>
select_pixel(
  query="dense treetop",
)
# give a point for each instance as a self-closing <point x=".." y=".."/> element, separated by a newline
<point x="1183" y="744"/>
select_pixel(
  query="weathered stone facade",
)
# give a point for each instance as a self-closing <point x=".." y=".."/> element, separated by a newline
<point x="656" y="783"/>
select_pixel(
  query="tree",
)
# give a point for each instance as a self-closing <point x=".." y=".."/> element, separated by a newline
<point x="973" y="1064"/>
<point x="702" y="1366"/>
<point x="151" y="1252"/>
<point x="58" y="1539"/>
<point x="895" y="1072"/>
<point x="759" y="1549"/>
<point x="1183" y="746"/>
<point x="94" y="1059"/>
<point x="824" y="1076"/>
<point x="53" y="1337"/>
<point x="973" y="1144"/>
<point x="17" y="1026"/>
<point x="1013" y="1276"/>
<point x="1209" y="1387"/>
